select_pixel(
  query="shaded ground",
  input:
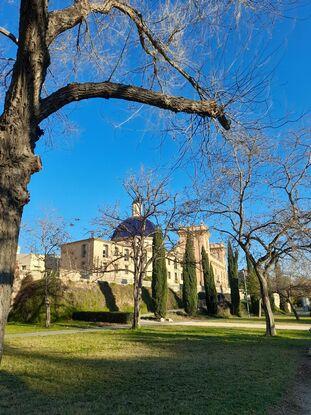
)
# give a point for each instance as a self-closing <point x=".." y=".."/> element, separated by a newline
<point x="297" y="399"/>
<point x="66" y="328"/>
<point x="171" y="370"/>
<point x="282" y="322"/>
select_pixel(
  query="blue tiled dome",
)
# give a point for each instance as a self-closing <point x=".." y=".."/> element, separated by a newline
<point x="133" y="227"/>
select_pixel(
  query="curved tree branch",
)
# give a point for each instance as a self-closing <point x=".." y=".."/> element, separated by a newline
<point x="65" y="19"/>
<point x="9" y="35"/>
<point x="62" y="20"/>
<point x="80" y="91"/>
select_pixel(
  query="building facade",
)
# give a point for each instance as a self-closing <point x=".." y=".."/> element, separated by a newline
<point x="97" y="259"/>
<point x="36" y="264"/>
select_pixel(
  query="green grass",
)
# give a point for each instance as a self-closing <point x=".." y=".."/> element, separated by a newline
<point x="167" y="370"/>
<point x="15" y="328"/>
<point x="279" y="318"/>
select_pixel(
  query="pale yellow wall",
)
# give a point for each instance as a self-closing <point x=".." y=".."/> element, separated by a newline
<point x="96" y="266"/>
<point x="219" y="263"/>
<point x="215" y="252"/>
<point x="34" y="264"/>
<point x="30" y="264"/>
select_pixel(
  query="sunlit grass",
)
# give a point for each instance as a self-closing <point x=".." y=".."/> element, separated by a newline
<point x="172" y="370"/>
<point x="15" y="328"/>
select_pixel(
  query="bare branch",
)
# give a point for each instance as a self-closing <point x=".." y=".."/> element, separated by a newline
<point x="8" y="34"/>
<point x="80" y="91"/>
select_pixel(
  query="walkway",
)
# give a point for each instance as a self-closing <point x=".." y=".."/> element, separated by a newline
<point x="224" y="324"/>
<point x="152" y="323"/>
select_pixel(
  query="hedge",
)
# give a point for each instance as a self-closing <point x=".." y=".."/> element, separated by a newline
<point x="103" y="316"/>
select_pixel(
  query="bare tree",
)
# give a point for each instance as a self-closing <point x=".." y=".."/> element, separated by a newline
<point x="292" y="280"/>
<point x="46" y="239"/>
<point x="258" y="192"/>
<point x="153" y="206"/>
<point x="126" y="47"/>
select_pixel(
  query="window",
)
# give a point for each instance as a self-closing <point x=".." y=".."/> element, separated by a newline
<point x="105" y="251"/>
<point x="83" y="250"/>
<point x="168" y="262"/>
<point x="169" y="275"/>
<point x="24" y="267"/>
<point x="176" y="277"/>
<point x="175" y="264"/>
<point x="126" y="269"/>
<point x="116" y="251"/>
<point x="126" y="254"/>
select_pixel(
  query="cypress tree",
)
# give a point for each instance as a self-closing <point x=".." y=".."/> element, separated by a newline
<point x="271" y="296"/>
<point x="253" y="287"/>
<point x="159" y="275"/>
<point x="190" y="296"/>
<point x="209" y="284"/>
<point x="234" y="280"/>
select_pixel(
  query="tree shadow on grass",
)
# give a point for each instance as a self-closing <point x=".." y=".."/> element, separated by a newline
<point x="147" y="299"/>
<point x="13" y="393"/>
<point x="178" y="300"/>
<point x="148" y="371"/>
<point x="110" y="298"/>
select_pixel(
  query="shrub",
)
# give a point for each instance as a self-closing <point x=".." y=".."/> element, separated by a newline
<point x="223" y="311"/>
<point x="159" y="276"/>
<point x="117" y="317"/>
<point x="190" y="295"/>
<point x="233" y="276"/>
<point x="209" y="285"/>
<point x="71" y="296"/>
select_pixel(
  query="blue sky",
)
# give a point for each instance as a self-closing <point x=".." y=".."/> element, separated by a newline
<point x="85" y="170"/>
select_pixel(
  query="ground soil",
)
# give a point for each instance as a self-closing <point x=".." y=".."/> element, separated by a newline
<point x="297" y="400"/>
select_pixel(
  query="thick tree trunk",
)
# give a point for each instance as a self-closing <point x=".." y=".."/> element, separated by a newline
<point x="18" y="134"/>
<point x="17" y="163"/>
<point x="266" y="305"/>
<point x="10" y="217"/>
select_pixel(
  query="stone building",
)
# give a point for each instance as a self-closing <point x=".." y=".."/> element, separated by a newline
<point x="97" y="259"/>
<point x="35" y="264"/>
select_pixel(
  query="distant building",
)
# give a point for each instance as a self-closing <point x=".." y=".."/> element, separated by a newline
<point x="96" y="259"/>
<point x="33" y="264"/>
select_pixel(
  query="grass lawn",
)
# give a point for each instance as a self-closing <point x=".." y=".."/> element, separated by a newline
<point x="279" y="318"/>
<point x="166" y="370"/>
<point x="14" y="328"/>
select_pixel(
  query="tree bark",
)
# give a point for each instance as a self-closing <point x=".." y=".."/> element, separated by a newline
<point x="18" y="135"/>
<point x="293" y="308"/>
<point x="137" y="297"/>
<point x="47" y="312"/>
<point x="270" y="324"/>
<point x="109" y="90"/>
<point x="17" y="163"/>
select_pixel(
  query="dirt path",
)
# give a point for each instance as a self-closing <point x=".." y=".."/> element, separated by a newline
<point x="223" y="324"/>
<point x="298" y="398"/>
<point x="152" y="323"/>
